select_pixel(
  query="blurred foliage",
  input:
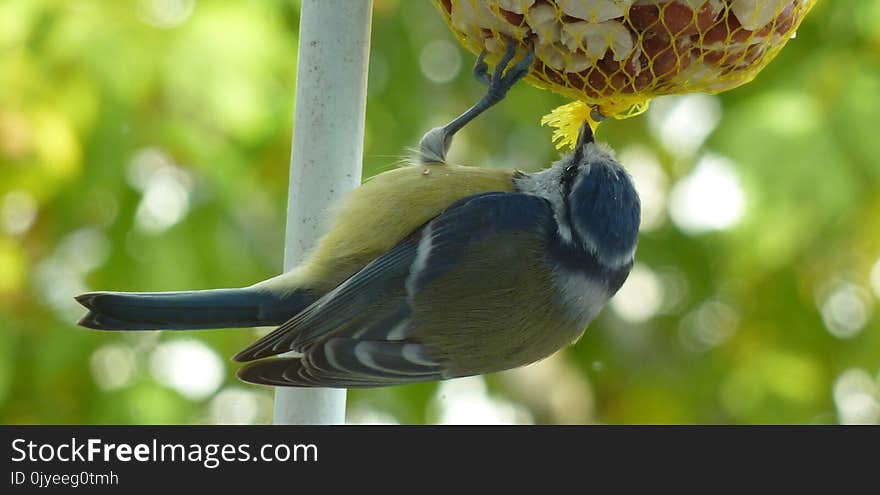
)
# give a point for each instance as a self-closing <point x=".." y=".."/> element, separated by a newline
<point x="144" y="146"/>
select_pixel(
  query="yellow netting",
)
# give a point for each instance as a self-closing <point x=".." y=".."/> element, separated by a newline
<point x="613" y="56"/>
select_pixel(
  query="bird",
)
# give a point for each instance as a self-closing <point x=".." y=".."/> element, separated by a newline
<point x="430" y="271"/>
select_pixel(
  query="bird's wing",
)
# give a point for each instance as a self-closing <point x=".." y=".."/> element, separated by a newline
<point x="376" y="216"/>
<point x="348" y="363"/>
<point x="356" y="335"/>
<point x="380" y="283"/>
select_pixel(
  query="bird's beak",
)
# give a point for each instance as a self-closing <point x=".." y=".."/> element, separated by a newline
<point x="585" y="137"/>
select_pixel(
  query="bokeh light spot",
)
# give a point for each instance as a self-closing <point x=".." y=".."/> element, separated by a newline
<point x="440" y="61"/>
<point x="682" y="123"/>
<point x="112" y="366"/>
<point x="467" y="401"/>
<point x="166" y="14"/>
<point x="239" y="406"/>
<point x="188" y="366"/>
<point x="18" y="211"/>
<point x="641" y="296"/>
<point x="166" y="190"/>
<point x="710" y="198"/>
<point x="709" y="325"/>
<point x="856" y="398"/>
<point x="875" y="278"/>
<point x="845" y="310"/>
<point x="651" y="183"/>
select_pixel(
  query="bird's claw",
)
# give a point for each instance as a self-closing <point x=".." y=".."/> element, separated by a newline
<point x="521" y="68"/>
<point x="481" y="69"/>
<point x="504" y="76"/>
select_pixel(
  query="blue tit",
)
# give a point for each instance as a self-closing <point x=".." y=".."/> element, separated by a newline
<point x="428" y="272"/>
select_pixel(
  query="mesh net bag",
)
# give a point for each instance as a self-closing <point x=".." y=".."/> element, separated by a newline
<point x="613" y="56"/>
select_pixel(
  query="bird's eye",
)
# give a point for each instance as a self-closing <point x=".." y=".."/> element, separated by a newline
<point x="569" y="174"/>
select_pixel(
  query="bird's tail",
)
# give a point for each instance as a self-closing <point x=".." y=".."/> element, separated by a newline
<point x="190" y="310"/>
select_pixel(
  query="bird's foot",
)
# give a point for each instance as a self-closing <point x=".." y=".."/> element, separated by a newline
<point x="436" y="142"/>
<point x="504" y="76"/>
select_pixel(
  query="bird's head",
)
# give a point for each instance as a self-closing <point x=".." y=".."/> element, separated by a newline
<point x="599" y="201"/>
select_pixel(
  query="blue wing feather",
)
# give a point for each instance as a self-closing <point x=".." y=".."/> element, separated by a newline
<point x="476" y="218"/>
<point x="347" y="344"/>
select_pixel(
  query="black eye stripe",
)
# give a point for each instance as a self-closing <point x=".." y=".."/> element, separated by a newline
<point x="568" y="177"/>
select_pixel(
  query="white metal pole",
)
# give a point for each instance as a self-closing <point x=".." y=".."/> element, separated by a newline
<point x="326" y="156"/>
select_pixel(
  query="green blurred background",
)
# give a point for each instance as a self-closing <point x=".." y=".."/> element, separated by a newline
<point x="144" y="146"/>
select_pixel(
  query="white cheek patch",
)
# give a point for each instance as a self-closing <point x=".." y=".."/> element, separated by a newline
<point x="618" y="261"/>
<point x="564" y="229"/>
<point x="547" y="184"/>
<point x="590" y="245"/>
